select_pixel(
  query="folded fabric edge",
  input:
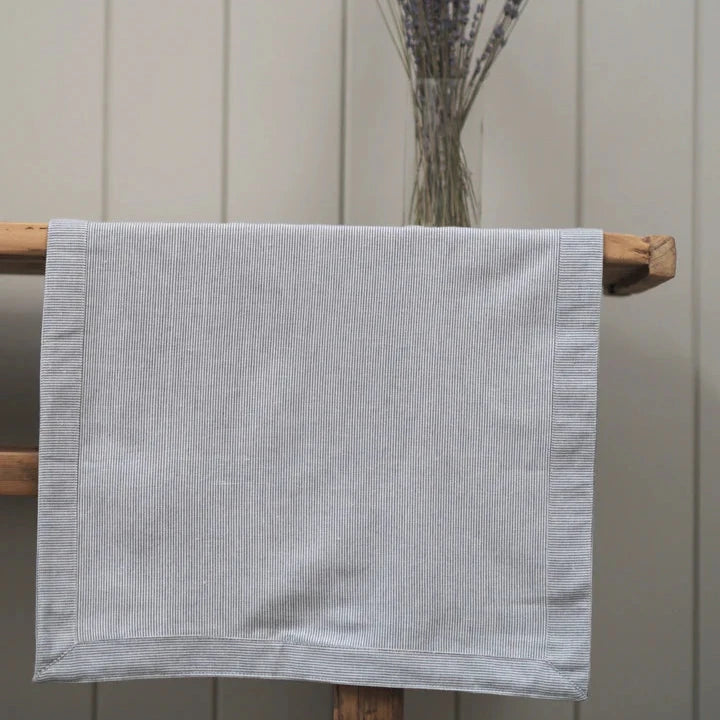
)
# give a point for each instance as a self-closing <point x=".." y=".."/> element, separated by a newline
<point x="572" y="454"/>
<point x="61" y="370"/>
<point x="144" y="658"/>
<point x="53" y="663"/>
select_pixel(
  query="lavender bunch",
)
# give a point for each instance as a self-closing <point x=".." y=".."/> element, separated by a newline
<point x="437" y="43"/>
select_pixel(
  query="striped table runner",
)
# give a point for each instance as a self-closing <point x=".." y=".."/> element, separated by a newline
<point x="357" y="455"/>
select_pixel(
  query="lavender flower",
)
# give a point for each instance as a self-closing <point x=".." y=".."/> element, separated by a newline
<point x="438" y="38"/>
<point x="436" y="41"/>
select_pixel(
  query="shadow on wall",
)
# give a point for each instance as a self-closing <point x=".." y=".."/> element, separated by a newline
<point x="643" y="523"/>
<point x="21" y="300"/>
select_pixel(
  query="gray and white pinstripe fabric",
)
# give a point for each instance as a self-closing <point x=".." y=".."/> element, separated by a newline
<point x="354" y="455"/>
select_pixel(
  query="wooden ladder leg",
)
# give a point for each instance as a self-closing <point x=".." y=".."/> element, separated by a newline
<point x="351" y="702"/>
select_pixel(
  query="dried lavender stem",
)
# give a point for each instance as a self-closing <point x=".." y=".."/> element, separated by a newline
<point x="436" y="41"/>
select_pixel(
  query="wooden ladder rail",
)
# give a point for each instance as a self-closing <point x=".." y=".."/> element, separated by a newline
<point x="631" y="264"/>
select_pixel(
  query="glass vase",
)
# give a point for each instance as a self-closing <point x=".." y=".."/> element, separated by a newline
<point x="443" y="156"/>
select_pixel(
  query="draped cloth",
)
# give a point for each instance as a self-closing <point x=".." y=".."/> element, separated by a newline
<point x="357" y="455"/>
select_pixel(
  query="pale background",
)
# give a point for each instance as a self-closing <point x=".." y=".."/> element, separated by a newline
<point x="602" y="113"/>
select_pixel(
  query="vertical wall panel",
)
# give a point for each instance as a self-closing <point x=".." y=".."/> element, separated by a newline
<point x="376" y="110"/>
<point x="637" y="178"/>
<point x="496" y="707"/>
<point x="708" y="265"/>
<point x="530" y="110"/>
<point x="50" y="164"/>
<point x="184" y="699"/>
<point x="165" y="110"/>
<point x="284" y="103"/>
<point x="430" y="705"/>
<point x="51" y="73"/>
<point x="164" y="163"/>
<point x="274" y="700"/>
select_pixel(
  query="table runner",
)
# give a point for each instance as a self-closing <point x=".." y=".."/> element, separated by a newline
<point x="357" y="455"/>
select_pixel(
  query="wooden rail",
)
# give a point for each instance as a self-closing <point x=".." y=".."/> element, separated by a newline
<point x="367" y="703"/>
<point x="632" y="263"/>
<point x="18" y="471"/>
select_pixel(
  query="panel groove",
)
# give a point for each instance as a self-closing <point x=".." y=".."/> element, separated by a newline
<point x="225" y="112"/>
<point x="343" y="111"/>
<point x="707" y="378"/>
<point x="107" y="34"/>
<point x="695" y="355"/>
<point x="579" y="110"/>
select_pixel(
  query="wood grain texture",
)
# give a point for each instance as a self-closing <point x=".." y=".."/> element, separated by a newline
<point x="638" y="173"/>
<point x="631" y="264"/>
<point x="707" y="287"/>
<point x="18" y="471"/>
<point x="22" y="248"/>
<point x="367" y="703"/>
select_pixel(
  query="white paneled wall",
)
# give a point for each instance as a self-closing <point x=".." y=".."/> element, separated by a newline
<point x="284" y="125"/>
<point x="707" y="356"/>
<point x="164" y="109"/>
<point x="637" y="174"/>
<point x="599" y="112"/>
